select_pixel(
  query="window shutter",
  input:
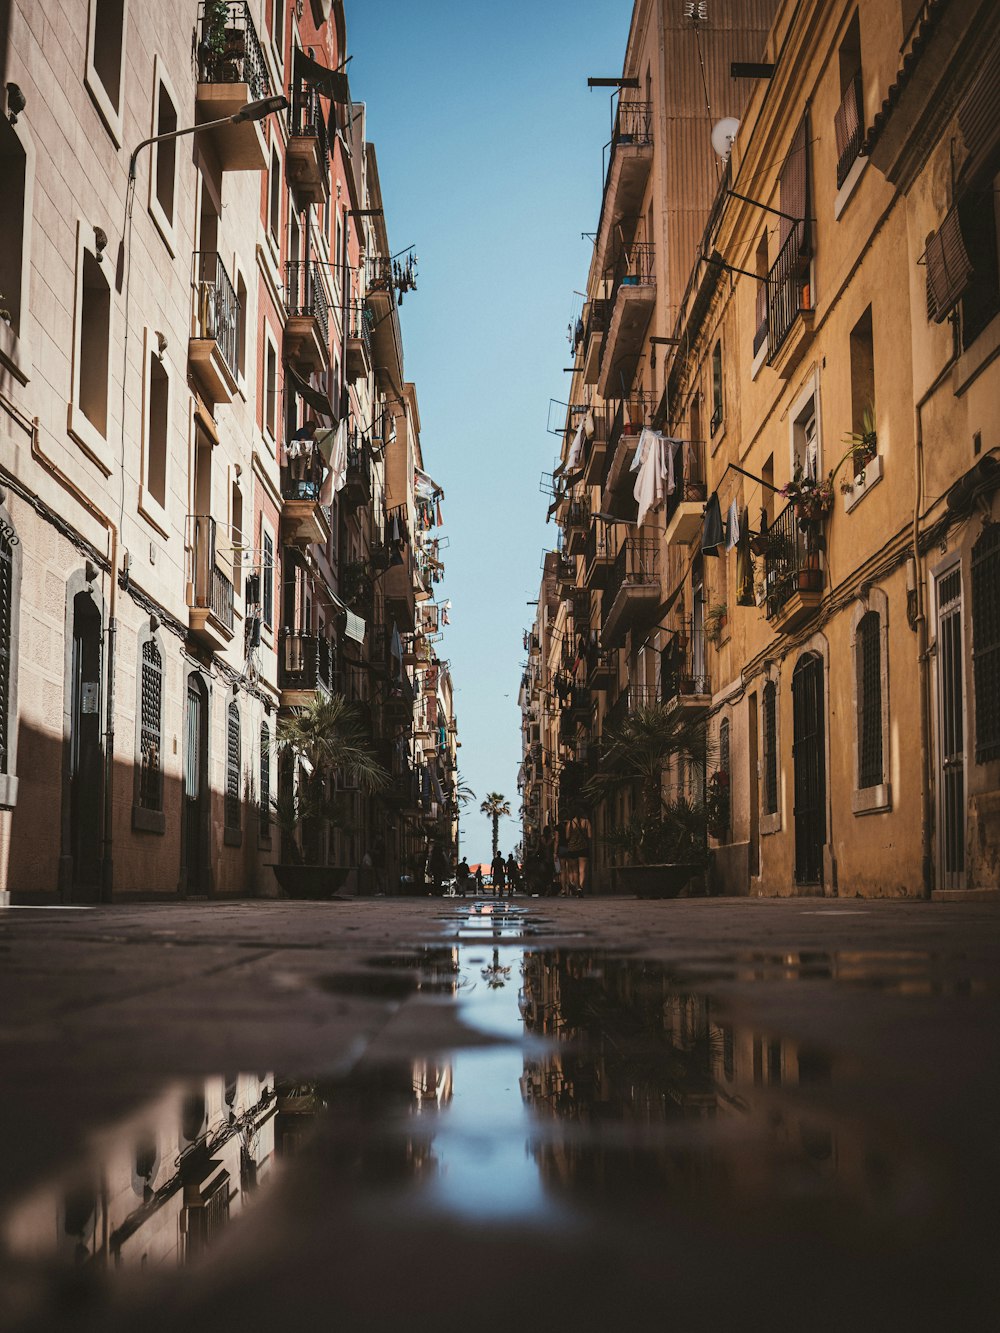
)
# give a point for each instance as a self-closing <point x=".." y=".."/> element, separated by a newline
<point x="794" y="188"/>
<point x="948" y="266"/>
<point x="979" y="120"/>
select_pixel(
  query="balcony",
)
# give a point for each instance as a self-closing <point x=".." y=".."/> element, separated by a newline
<point x="379" y="650"/>
<point x="357" y="490"/>
<point x="602" y="668"/>
<point x="307" y="155"/>
<point x="387" y="340"/>
<point x="305" y="665"/>
<point x="358" y="341"/>
<point x="683" y="687"/>
<point x="213" y="348"/>
<point x="595" y="326"/>
<point x="630" y="698"/>
<point x="575" y="525"/>
<point x="307" y="320"/>
<point x="596" y="451"/>
<point x="789" y="307"/>
<point x="685" y="508"/>
<point x="627" y="423"/>
<point x="400" y="594"/>
<point x="397" y="706"/>
<point x="628" y="172"/>
<point x="209" y="589"/>
<point x="231" y="73"/>
<point x="633" y="295"/>
<point x="303" y="519"/>
<point x="598" y="559"/>
<point x="632" y="597"/>
<point x="793" y="575"/>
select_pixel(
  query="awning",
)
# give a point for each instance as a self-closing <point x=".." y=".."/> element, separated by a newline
<point x="328" y="83"/>
<point x="315" y="398"/>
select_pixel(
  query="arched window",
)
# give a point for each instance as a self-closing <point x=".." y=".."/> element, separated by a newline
<point x="986" y="642"/>
<point x="868" y="664"/>
<point x="265" y="780"/>
<point x="233" y="765"/>
<point x="151" y="725"/>
<point x="770" y="706"/>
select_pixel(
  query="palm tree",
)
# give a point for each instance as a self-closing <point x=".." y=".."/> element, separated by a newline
<point x="463" y="791"/>
<point x="496" y="806"/>
<point x="327" y="737"/>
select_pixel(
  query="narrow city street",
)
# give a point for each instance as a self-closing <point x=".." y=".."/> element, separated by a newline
<point x="542" y="1113"/>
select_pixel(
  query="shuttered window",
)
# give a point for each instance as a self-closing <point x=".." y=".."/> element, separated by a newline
<point x="150" y="727"/>
<point x="979" y="121"/>
<point x="233" y="764"/>
<point x="986" y="642"/>
<point x="6" y="618"/>
<point x="948" y="267"/>
<point x="265" y="780"/>
<point x="770" y="706"/>
<point x="868" y="664"/>
<point x="794" y="188"/>
<point x="267" y="574"/>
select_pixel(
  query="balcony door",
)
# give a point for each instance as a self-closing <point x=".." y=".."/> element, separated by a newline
<point x="86" y="752"/>
<point x="809" y="759"/>
<point x="195" y="870"/>
<point x="951" y="730"/>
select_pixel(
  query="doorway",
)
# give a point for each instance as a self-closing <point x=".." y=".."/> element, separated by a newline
<point x="951" y="729"/>
<point x="753" y="746"/>
<point x="809" y="760"/>
<point x="195" y="871"/>
<point x="86" y="753"/>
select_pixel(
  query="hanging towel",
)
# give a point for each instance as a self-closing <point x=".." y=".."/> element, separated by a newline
<point x="744" y="565"/>
<point x="336" y="478"/>
<point x="588" y="425"/>
<point x="732" y="527"/>
<point x="670" y="449"/>
<point x="575" y="450"/>
<point x="712" y="535"/>
<point x="652" y="470"/>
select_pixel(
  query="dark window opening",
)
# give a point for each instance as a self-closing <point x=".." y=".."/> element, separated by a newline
<point x="868" y="649"/>
<point x="109" y="34"/>
<point x="151" y="716"/>
<point x="166" y="153"/>
<point x="986" y="642"/>
<point x="770" y="706"/>
<point x="978" y="219"/>
<point x="95" y="332"/>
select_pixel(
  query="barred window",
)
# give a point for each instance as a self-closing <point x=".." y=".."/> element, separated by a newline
<point x="986" y="642"/>
<point x="868" y="664"/>
<point x="267" y="575"/>
<point x="770" y="748"/>
<point x="724" y="745"/>
<point x="6" y="614"/>
<point x="233" y="764"/>
<point x="265" y="780"/>
<point x="150" y="727"/>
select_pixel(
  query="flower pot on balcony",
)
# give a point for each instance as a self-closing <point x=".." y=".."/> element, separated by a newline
<point x="809" y="580"/>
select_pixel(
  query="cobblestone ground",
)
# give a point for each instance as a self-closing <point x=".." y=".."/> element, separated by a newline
<point x="558" y="1113"/>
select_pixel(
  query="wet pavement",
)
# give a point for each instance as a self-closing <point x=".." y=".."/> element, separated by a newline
<point x="572" y="1115"/>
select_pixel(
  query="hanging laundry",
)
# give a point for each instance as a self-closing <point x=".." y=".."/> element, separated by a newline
<point x="589" y="425"/>
<point x="712" y="535"/>
<point x="575" y="450"/>
<point x="744" y="565"/>
<point x="336" y="478"/>
<point x="653" y="463"/>
<point x="732" y="527"/>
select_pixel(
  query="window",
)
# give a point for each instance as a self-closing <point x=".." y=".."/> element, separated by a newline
<point x="271" y="388"/>
<point x="236" y="521"/>
<point x="770" y="707"/>
<point x="233" y="765"/>
<point x="979" y="218"/>
<point x="868" y="665"/>
<point x="267" y="578"/>
<point x="278" y="28"/>
<point x="986" y="642"/>
<point x="106" y="60"/>
<point x="13" y="221"/>
<point x="716" y="387"/>
<point x="849" y="120"/>
<point x="88" y="418"/>
<point x="274" y="196"/>
<point x="265" y="781"/>
<point x="862" y="389"/>
<point x="157" y="423"/>
<point x="241" y="326"/>
<point x="805" y="434"/>
<point x="760" y="297"/>
<point x="9" y="601"/>
<point x="163" y="173"/>
<point x="151" y="721"/>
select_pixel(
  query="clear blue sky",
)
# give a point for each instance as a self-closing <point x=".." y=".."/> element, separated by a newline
<point x="489" y="145"/>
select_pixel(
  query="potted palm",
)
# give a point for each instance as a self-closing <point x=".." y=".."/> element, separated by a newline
<point x="665" y="840"/>
<point x="320" y="743"/>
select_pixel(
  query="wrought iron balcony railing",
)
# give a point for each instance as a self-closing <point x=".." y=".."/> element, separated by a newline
<point x="578" y="514"/>
<point x="360" y="320"/>
<point x="678" y="678"/>
<point x="306" y="120"/>
<point x="635" y="267"/>
<point x="633" y="123"/>
<point x="306" y="295"/>
<point x="689" y="474"/>
<point x="787" y="292"/>
<point x="229" y="48"/>
<point x="210" y="587"/>
<point x="636" y="565"/>
<point x="305" y="662"/>
<point x="792" y="561"/>
<point x="217" y="307"/>
<point x="302" y="477"/>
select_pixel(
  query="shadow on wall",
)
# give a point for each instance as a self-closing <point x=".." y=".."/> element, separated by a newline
<point x="56" y="846"/>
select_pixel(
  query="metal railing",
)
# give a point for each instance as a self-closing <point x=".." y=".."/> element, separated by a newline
<point x="577" y="514"/>
<point x="360" y="321"/>
<point x="784" y="292"/>
<point x="302" y="477"/>
<point x="359" y="463"/>
<point x="689" y="484"/>
<point x="716" y="419"/>
<point x="634" y="267"/>
<point x="217" y="307"/>
<point x="229" y="50"/>
<point x="596" y="321"/>
<point x="305" y="294"/>
<point x="677" y="678"/>
<point x="597" y="547"/>
<point x="602" y="662"/>
<point x="210" y="587"/>
<point x="633" y="123"/>
<point x="760" y="317"/>
<point x="306" y="120"/>
<point x="792" y="561"/>
<point x="849" y="128"/>
<point x="636" y="565"/>
<point x="305" y="662"/>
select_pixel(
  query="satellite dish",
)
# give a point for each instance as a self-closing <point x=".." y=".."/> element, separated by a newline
<point x="723" y="134"/>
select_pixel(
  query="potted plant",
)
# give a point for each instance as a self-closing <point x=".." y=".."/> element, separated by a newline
<point x="716" y="619"/>
<point x="812" y="498"/>
<point x="862" y="446"/>
<point x="320" y="743"/>
<point x="665" y="840"/>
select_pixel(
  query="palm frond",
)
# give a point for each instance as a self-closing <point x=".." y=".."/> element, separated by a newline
<point x="330" y="735"/>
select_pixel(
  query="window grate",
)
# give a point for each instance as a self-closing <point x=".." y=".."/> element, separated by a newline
<point x="770" y="749"/>
<point x="986" y="642"/>
<point x="868" y="651"/>
<point x="6" y="611"/>
<point x="233" y="768"/>
<point x="265" y="780"/>
<point x="150" y="725"/>
<point x="267" y="570"/>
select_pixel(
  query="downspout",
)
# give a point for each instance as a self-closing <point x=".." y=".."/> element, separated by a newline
<point x="920" y="624"/>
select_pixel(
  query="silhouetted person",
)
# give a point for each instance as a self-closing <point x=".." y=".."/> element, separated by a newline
<point x="513" y="875"/>
<point x="462" y="877"/>
<point x="499" y="874"/>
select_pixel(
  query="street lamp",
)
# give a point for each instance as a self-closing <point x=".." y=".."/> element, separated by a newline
<point x="264" y="106"/>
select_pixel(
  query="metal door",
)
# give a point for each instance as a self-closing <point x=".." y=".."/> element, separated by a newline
<point x="195" y="784"/>
<point x="85" y="749"/>
<point x="809" y="759"/>
<point x="951" y="730"/>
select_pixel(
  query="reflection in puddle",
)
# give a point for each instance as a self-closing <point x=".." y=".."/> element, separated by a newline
<point x="597" y="1094"/>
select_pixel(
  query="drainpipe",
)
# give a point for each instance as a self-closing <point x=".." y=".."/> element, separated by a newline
<point x="923" y="670"/>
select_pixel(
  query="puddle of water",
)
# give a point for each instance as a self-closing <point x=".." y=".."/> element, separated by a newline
<point x="619" y="1112"/>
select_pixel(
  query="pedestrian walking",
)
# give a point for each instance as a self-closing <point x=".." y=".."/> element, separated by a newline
<point x="577" y="857"/>
<point x="513" y="875"/>
<point x="479" y="880"/>
<point x="462" y="877"/>
<point x="499" y="874"/>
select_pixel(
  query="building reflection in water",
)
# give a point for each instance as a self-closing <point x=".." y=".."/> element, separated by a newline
<point x="158" y="1187"/>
